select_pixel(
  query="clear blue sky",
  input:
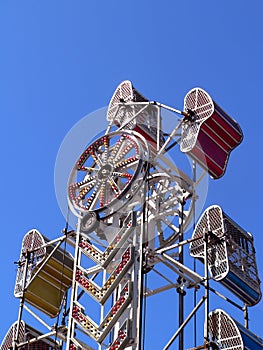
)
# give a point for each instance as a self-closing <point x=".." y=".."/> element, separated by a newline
<point x="61" y="60"/>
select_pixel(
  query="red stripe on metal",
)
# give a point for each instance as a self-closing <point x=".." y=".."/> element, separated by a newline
<point x="229" y="128"/>
<point x="217" y="138"/>
<point x="207" y="163"/>
<point x="211" y="149"/>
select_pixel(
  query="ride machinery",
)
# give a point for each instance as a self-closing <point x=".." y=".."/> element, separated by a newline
<point x="134" y="192"/>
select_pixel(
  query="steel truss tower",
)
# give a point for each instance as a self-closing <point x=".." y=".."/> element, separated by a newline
<point x="135" y="199"/>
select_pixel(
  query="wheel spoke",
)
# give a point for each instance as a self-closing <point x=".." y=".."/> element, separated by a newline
<point x="114" y="186"/>
<point x="129" y="161"/>
<point x="123" y="153"/>
<point x="102" y="194"/>
<point x="96" y="160"/>
<point x="125" y="175"/>
<point x="92" y="199"/>
<point x="106" y="150"/>
<point x="116" y="148"/>
<point x="86" y="181"/>
<point x="89" y="169"/>
<point x="83" y="191"/>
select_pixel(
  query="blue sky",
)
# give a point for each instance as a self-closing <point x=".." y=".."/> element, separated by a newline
<point x="61" y="60"/>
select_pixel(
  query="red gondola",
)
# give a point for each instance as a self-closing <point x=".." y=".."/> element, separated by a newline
<point x="209" y="134"/>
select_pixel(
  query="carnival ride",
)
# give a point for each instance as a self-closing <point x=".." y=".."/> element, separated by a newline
<point x="135" y="205"/>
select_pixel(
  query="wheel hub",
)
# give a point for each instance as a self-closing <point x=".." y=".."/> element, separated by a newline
<point x="105" y="172"/>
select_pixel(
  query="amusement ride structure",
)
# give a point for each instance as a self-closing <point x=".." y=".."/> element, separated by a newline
<point x="134" y="192"/>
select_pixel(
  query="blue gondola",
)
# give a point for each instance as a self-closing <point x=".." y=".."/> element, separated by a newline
<point x="227" y="333"/>
<point x="230" y="254"/>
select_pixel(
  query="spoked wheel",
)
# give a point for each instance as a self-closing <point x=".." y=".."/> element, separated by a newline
<point x="108" y="173"/>
<point x="169" y="207"/>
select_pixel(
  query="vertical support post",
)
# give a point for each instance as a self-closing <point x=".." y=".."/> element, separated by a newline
<point x="206" y="328"/>
<point x="194" y="220"/>
<point x="142" y="241"/>
<point x="74" y="292"/>
<point x="158" y="127"/>
<point x="181" y="293"/>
